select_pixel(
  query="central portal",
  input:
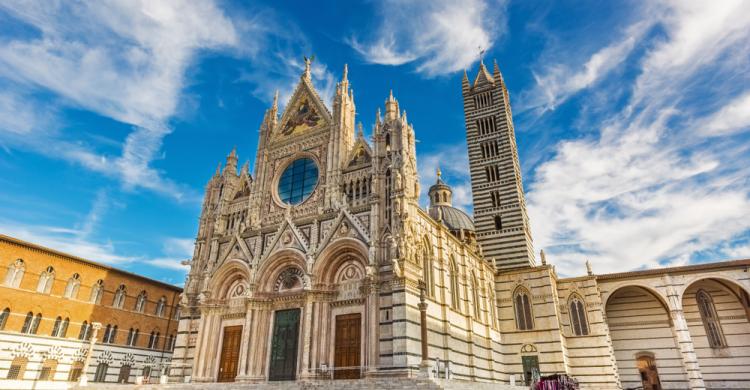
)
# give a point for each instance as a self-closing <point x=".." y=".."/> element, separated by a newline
<point x="347" y="348"/>
<point x="283" y="364"/>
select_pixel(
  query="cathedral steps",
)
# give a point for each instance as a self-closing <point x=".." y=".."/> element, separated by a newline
<point x="354" y="384"/>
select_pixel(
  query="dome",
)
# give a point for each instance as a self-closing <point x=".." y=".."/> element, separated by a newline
<point x="452" y="217"/>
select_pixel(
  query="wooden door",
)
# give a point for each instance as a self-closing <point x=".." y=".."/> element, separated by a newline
<point x="346" y="351"/>
<point x="230" y="353"/>
<point x="283" y="364"/>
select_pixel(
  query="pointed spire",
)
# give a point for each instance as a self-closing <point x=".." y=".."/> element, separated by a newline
<point x="245" y="168"/>
<point x="308" y="64"/>
<point x="360" y="132"/>
<point x="377" y="116"/>
<point x="483" y="75"/>
<point x="233" y="153"/>
<point x="275" y="105"/>
<point x="391" y="107"/>
<point x="345" y="77"/>
<point x="218" y="169"/>
<point x="231" y="166"/>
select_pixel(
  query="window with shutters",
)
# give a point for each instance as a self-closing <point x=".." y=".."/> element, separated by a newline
<point x="710" y="319"/>
<point x="49" y="367"/>
<point x="17" y="368"/>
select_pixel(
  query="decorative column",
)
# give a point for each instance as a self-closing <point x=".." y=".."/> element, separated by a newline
<point x="244" y="346"/>
<point x="372" y="312"/>
<point x="424" y="366"/>
<point x="84" y="379"/>
<point x="682" y="336"/>
<point x="306" y="339"/>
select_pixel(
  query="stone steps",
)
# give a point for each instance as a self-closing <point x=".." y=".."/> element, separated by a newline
<point x="358" y="384"/>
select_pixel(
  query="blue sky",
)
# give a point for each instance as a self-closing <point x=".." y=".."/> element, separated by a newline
<point x="632" y="118"/>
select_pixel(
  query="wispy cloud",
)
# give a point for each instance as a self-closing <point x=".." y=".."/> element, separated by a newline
<point x="734" y="117"/>
<point x="440" y="37"/>
<point x="176" y="250"/>
<point x="647" y="189"/>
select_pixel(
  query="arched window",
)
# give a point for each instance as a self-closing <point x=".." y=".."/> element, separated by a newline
<point x="578" y="320"/>
<point x="140" y="302"/>
<point x="170" y="343"/>
<point x="455" y="291"/>
<point x="475" y="295"/>
<point x="522" y="306"/>
<point x="85" y="331"/>
<point x="101" y="372"/>
<point x="493" y="303"/>
<point x="160" y="306"/>
<point x="152" y="340"/>
<point x="710" y="319"/>
<point x="27" y="322"/>
<point x="17" y="368"/>
<point x="112" y="335"/>
<point x="64" y="328"/>
<point x="427" y="270"/>
<point x="45" y="281"/>
<point x="4" y="317"/>
<point x="48" y="370"/>
<point x="97" y="290"/>
<point x="15" y="274"/>
<point x="119" y="299"/>
<point x="35" y="324"/>
<point x="56" y="326"/>
<point x="71" y="289"/>
<point x="132" y="337"/>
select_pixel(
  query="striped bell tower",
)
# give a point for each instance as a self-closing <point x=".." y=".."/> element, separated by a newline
<point x="502" y="225"/>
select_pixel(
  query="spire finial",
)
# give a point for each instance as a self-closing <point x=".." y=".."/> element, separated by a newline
<point x="588" y="268"/>
<point x="360" y="132"/>
<point x="390" y="95"/>
<point x="481" y="54"/>
<point x="308" y="63"/>
<point x="543" y="256"/>
<point x="439" y="173"/>
<point x="218" y="169"/>
<point x="234" y="152"/>
<point x="346" y="73"/>
<point x="276" y="99"/>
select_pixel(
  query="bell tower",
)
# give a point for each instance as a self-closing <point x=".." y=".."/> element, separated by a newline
<point x="502" y="225"/>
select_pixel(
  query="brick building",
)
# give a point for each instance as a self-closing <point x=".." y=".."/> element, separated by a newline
<point x="48" y="303"/>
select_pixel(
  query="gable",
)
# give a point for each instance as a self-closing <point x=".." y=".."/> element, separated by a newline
<point x="305" y="112"/>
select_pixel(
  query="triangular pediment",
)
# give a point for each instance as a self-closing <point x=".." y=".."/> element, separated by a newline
<point x="345" y="225"/>
<point x="361" y="154"/>
<point x="288" y="236"/>
<point x="305" y="112"/>
<point x="237" y="249"/>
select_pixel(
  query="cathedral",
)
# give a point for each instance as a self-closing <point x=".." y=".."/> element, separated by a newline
<point x="321" y="264"/>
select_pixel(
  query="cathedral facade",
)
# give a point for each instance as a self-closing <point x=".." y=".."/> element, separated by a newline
<point x="322" y="264"/>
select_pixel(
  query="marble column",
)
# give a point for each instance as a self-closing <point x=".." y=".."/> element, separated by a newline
<point x="244" y="347"/>
<point x="372" y="311"/>
<point x="306" y="339"/>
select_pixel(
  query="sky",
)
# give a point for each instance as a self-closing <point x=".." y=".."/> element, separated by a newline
<point x="632" y="118"/>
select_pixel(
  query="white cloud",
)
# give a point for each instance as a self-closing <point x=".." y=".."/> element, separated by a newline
<point x="176" y="250"/>
<point x="646" y="191"/>
<point x="124" y="60"/>
<point x="734" y="117"/>
<point x="440" y="36"/>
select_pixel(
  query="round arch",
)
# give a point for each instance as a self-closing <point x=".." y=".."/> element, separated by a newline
<point x="337" y="253"/>
<point x="226" y="276"/>
<point x="722" y="280"/>
<point x="651" y="290"/>
<point x="268" y="271"/>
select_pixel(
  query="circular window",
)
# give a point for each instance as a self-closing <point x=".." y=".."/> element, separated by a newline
<point x="298" y="181"/>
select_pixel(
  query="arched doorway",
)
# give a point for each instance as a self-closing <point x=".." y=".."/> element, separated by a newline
<point x="640" y="328"/>
<point x="649" y="374"/>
